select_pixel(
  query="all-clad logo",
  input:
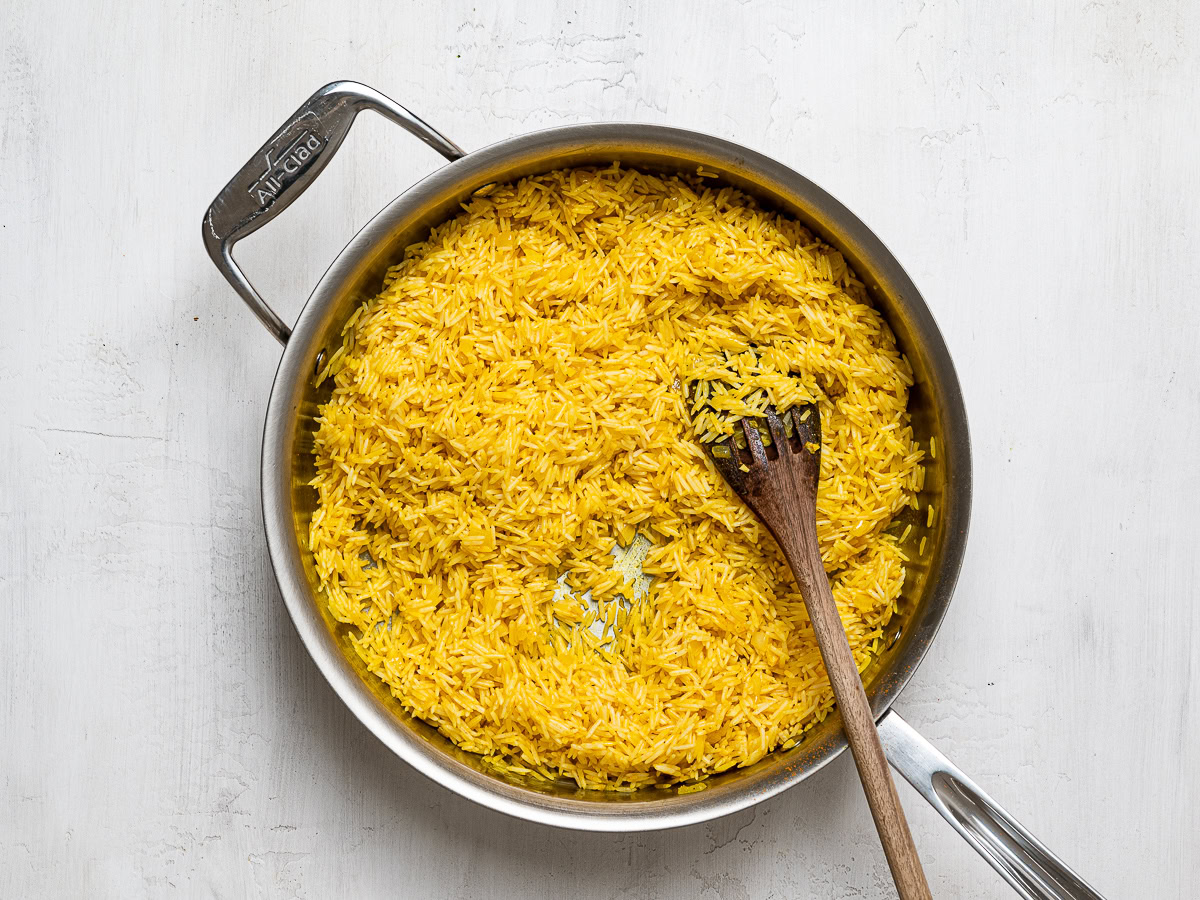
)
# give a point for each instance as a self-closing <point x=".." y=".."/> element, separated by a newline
<point x="296" y="150"/>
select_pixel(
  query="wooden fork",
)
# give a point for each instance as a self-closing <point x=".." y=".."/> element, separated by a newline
<point x="777" y="479"/>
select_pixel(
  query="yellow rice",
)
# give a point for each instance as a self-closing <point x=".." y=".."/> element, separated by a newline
<point x="513" y="405"/>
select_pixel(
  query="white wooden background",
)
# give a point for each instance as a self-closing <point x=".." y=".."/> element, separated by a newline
<point x="1033" y="164"/>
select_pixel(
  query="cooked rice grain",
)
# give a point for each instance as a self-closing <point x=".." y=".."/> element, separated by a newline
<point x="512" y="405"/>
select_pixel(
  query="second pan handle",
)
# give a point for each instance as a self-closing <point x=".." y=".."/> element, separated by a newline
<point x="1024" y="862"/>
<point x="285" y="166"/>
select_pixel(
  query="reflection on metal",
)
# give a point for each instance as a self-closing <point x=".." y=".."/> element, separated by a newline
<point x="628" y="561"/>
<point x="1027" y="864"/>
<point x="606" y="619"/>
<point x="285" y="166"/>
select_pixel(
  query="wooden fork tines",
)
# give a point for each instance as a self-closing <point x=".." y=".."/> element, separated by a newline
<point x="776" y="474"/>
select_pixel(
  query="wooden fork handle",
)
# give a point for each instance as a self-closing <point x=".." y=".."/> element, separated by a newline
<point x="805" y="560"/>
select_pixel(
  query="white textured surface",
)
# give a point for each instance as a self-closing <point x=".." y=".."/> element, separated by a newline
<point x="1034" y="165"/>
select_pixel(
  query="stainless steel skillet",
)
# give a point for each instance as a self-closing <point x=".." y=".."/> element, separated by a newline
<point x="293" y="157"/>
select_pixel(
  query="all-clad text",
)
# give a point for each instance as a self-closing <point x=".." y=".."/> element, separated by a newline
<point x="286" y="167"/>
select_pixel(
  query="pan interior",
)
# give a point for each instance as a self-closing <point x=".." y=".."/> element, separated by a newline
<point x="935" y="408"/>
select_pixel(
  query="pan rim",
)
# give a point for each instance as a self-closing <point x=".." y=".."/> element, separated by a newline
<point x="279" y="516"/>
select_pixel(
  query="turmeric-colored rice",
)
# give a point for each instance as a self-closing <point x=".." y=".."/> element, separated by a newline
<point x="524" y="399"/>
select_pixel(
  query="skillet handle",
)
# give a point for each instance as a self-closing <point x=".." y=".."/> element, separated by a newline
<point x="285" y="166"/>
<point x="1021" y="859"/>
